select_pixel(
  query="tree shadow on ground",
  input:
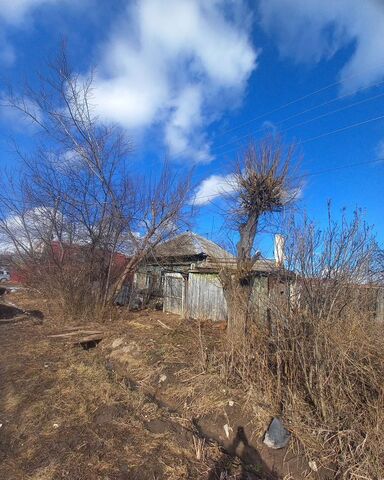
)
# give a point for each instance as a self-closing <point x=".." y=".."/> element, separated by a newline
<point x="241" y="456"/>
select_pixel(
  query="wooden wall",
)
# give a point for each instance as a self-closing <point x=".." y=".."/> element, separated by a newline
<point x="205" y="297"/>
<point x="200" y="296"/>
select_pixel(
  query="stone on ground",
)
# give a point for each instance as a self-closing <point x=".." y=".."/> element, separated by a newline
<point x="277" y="436"/>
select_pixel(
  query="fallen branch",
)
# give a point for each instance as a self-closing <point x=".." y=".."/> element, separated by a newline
<point x="164" y="325"/>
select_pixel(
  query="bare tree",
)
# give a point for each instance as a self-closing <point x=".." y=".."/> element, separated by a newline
<point x="263" y="185"/>
<point x="78" y="188"/>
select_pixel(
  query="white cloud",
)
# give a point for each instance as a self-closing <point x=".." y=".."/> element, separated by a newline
<point x="213" y="187"/>
<point x="19" y="14"/>
<point x="16" y="118"/>
<point x="175" y="63"/>
<point x="15" y="11"/>
<point x="27" y="231"/>
<point x="293" y="194"/>
<point x="66" y="161"/>
<point x="313" y="30"/>
<point x="183" y="124"/>
<point x="269" y="126"/>
<point x="30" y="230"/>
<point x="7" y="53"/>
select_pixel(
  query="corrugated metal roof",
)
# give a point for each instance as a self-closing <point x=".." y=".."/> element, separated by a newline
<point x="190" y="244"/>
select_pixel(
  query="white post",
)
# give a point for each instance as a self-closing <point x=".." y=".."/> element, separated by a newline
<point x="279" y="250"/>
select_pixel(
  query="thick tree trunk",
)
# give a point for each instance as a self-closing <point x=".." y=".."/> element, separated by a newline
<point x="237" y="284"/>
<point x="237" y="292"/>
<point x="247" y="237"/>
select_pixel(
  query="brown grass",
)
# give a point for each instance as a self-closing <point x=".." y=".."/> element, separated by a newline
<point x="65" y="415"/>
<point x="323" y="373"/>
<point x="317" y="358"/>
<point x="326" y="378"/>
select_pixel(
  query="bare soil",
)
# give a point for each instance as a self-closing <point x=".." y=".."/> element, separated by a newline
<point x="139" y="404"/>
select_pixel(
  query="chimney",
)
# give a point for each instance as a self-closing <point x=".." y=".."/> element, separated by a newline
<point x="279" y="248"/>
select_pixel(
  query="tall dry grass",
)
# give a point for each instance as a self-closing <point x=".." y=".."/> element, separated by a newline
<point x="77" y="279"/>
<point x="317" y="356"/>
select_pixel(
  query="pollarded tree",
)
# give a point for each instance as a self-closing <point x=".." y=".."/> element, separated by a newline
<point x="263" y="186"/>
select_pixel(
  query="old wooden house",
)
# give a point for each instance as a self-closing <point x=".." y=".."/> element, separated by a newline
<point x="182" y="276"/>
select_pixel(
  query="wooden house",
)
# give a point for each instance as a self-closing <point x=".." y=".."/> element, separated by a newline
<point x="182" y="276"/>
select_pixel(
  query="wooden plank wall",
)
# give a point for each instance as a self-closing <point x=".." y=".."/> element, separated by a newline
<point x="205" y="297"/>
<point x="380" y="305"/>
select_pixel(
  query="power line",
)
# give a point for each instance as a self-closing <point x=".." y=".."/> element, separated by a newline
<point x="281" y="107"/>
<point x="306" y="122"/>
<point x="319" y="172"/>
<point x="326" y="114"/>
<point x="341" y="167"/>
<point x="324" y="134"/>
<point x="343" y="129"/>
<point x="291" y="102"/>
<point x="304" y="175"/>
<point x="323" y="104"/>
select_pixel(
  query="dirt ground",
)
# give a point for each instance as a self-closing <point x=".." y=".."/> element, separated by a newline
<point x="140" y="405"/>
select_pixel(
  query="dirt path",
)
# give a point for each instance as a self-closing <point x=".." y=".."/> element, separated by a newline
<point x="65" y="415"/>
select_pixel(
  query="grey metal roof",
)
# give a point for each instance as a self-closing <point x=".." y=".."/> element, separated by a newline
<point x="190" y="244"/>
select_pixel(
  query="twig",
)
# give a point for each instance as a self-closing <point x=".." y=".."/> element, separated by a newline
<point x="163" y="324"/>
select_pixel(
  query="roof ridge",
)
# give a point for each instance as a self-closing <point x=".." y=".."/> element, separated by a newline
<point x="193" y="243"/>
<point x="196" y="240"/>
<point x="200" y="237"/>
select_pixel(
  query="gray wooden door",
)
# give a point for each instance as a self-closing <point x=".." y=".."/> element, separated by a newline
<point x="173" y="293"/>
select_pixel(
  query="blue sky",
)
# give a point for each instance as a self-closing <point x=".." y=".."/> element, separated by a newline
<point x="193" y="81"/>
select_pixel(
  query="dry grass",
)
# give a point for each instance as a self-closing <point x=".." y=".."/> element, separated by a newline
<point x="323" y="373"/>
<point x="65" y="415"/>
<point x="318" y="359"/>
<point x="95" y="411"/>
<point x="326" y="377"/>
<point x="195" y="386"/>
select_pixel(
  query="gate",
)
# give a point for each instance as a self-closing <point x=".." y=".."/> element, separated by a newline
<point x="174" y="293"/>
